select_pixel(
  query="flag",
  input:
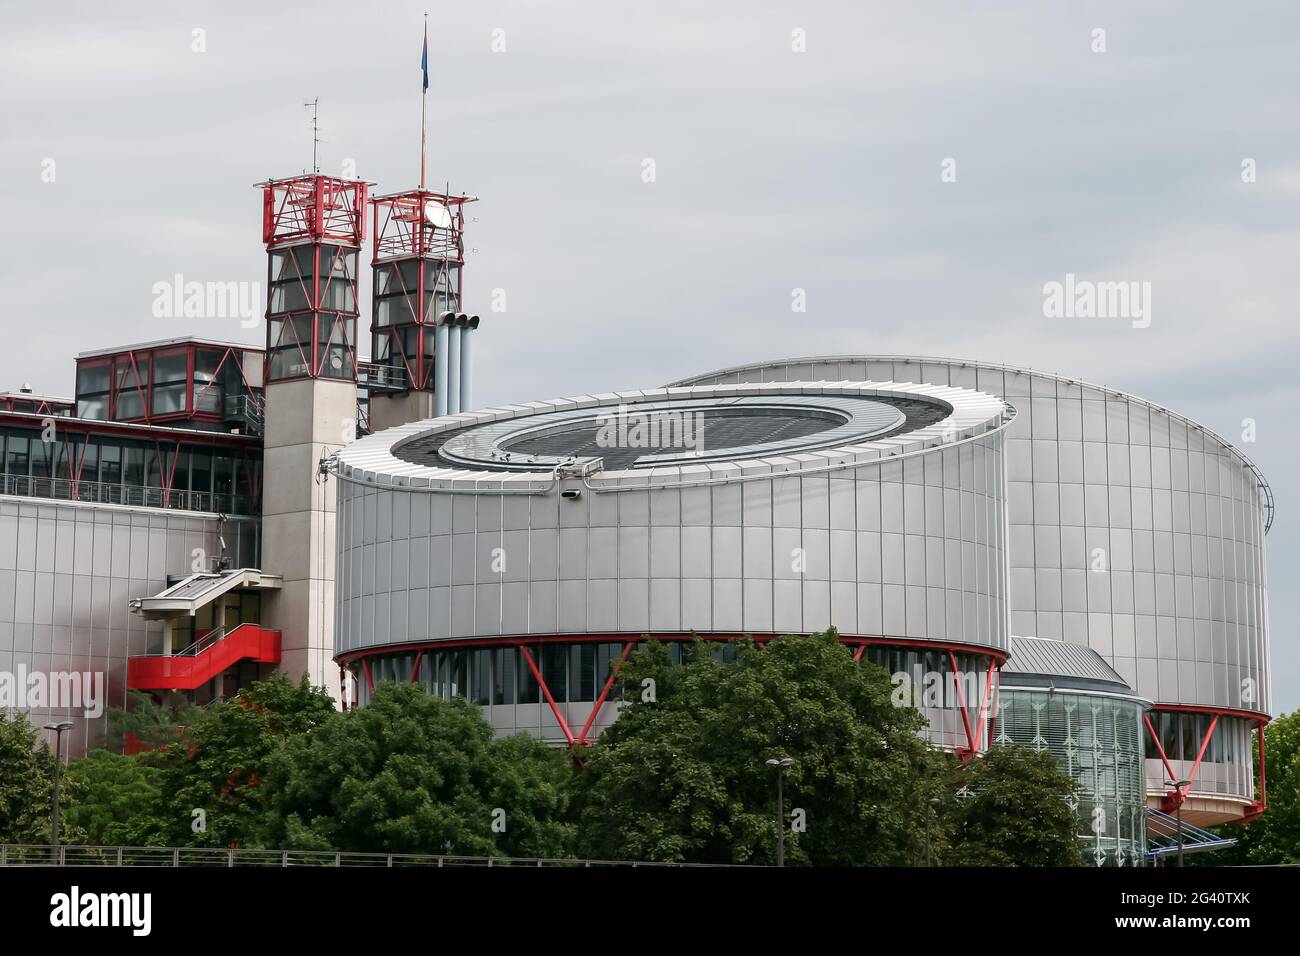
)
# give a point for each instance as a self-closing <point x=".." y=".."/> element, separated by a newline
<point x="424" y="58"/>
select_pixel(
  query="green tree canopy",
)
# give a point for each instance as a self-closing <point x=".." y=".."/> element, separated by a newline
<point x="1274" y="838"/>
<point x="115" y="800"/>
<point x="1010" y="809"/>
<point x="26" y="782"/>
<point x="682" y="775"/>
<point x="152" y="724"/>
<point x="411" y="773"/>
<point x="217" y="766"/>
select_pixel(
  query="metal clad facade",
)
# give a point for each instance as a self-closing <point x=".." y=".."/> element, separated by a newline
<point x="67" y="573"/>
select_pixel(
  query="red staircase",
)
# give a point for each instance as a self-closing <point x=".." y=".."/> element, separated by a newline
<point x="205" y="659"/>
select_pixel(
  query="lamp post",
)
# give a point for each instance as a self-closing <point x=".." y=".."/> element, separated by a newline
<point x="1178" y="785"/>
<point x="934" y="806"/>
<point x="780" y="764"/>
<point x="58" y="729"/>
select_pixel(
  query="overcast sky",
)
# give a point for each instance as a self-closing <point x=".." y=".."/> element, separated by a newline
<point x="774" y="170"/>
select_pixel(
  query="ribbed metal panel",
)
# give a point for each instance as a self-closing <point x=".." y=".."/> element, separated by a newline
<point x="1046" y="658"/>
<point x="1098" y="743"/>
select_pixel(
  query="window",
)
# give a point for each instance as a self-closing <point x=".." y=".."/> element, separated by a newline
<point x="396" y="292"/>
<point x="503" y="676"/>
<point x="479" y="683"/>
<point x="554" y="666"/>
<point x="17" y="453"/>
<point x="93" y="390"/>
<point x="208" y="393"/>
<point x="90" y="461"/>
<point x="529" y="692"/>
<point x="335" y="335"/>
<point x="223" y="475"/>
<point x="110" y="468"/>
<point x="132" y="386"/>
<point x="339" y="269"/>
<point x="170" y="373"/>
<point x="291" y="280"/>
<point x="291" y="340"/>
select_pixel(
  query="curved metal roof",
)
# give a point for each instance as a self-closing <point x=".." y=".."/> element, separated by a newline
<point x="1046" y="661"/>
<point x="971" y="415"/>
<point x="1018" y="369"/>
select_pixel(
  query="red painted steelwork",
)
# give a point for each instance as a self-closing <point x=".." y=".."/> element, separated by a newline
<point x="1172" y="798"/>
<point x="984" y="704"/>
<point x="248" y="642"/>
<point x="604" y="692"/>
<point x="970" y="749"/>
<point x="546" y="691"/>
<point x="313" y="208"/>
<point x="997" y="654"/>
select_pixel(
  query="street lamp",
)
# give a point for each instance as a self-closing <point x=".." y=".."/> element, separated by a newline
<point x="934" y="805"/>
<point x="1178" y="786"/>
<point x="58" y="729"/>
<point x="780" y="764"/>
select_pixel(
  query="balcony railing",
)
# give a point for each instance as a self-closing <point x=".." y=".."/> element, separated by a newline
<point x="213" y="654"/>
<point x="382" y="378"/>
<point x="47" y="855"/>
<point x="246" y="411"/>
<point x="139" y="496"/>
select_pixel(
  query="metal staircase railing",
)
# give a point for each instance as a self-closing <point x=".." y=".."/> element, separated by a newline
<point x="1163" y="839"/>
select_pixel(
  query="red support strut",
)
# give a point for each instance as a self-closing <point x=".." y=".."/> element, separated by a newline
<point x="604" y="692"/>
<point x="546" y="691"/>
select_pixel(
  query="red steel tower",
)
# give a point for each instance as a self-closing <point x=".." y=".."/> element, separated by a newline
<point x="419" y="331"/>
<point x="313" y="227"/>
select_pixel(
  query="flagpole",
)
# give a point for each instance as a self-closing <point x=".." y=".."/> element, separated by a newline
<point x="424" y="97"/>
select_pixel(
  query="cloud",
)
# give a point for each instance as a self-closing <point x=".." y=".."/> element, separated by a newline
<point x="775" y="171"/>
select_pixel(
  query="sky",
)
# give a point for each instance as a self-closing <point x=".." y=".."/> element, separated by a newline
<point x="661" y="184"/>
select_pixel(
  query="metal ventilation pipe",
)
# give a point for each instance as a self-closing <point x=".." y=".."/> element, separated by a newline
<point x="440" y="367"/>
<point x="453" y="366"/>
<point x="466" y="366"/>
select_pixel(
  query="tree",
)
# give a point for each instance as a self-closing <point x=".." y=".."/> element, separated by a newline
<point x="26" y="782"/>
<point x="151" y="724"/>
<point x="211" y="776"/>
<point x="114" y="800"/>
<point x="1012" y="810"/>
<point x="681" y="776"/>
<point x="411" y="773"/>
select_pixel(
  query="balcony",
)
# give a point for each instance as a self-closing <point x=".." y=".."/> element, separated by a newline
<point x="375" y="377"/>
<point x="139" y="496"/>
<point x="246" y="412"/>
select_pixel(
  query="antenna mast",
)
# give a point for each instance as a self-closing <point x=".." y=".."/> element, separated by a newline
<point x="314" y="106"/>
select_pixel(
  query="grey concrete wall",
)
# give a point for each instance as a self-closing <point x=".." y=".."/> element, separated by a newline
<point x="306" y="419"/>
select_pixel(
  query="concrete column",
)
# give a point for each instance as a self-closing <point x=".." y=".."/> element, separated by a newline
<point x="305" y="420"/>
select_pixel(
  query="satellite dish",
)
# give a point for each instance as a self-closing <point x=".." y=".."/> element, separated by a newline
<point x="437" y="215"/>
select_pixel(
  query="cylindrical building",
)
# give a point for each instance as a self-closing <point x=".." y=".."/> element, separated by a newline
<point x="509" y="555"/>
<point x="1135" y="532"/>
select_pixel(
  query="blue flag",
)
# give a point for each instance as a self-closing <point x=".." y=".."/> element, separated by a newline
<point x="424" y="58"/>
